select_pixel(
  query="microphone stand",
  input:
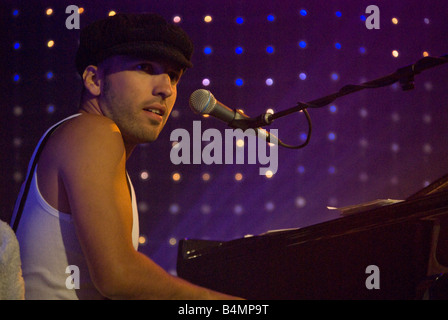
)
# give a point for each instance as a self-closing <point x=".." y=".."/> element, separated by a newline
<point x="405" y="76"/>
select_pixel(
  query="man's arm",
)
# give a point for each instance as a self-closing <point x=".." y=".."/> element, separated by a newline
<point x="92" y="167"/>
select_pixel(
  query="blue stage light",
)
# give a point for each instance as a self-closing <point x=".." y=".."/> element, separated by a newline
<point x="207" y="50"/>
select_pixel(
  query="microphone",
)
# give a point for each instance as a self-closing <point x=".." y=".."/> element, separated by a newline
<point x="203" y="102"/>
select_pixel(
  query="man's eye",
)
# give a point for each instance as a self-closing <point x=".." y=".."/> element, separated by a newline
<point x="174" y="76"/>
<point x="150" y="69"/>
<point x="145" y="67"/>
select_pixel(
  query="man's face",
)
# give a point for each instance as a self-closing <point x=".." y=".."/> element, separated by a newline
<point x="138" y="95"/>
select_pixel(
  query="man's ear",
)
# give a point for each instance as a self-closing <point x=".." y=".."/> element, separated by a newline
<point x="91" y="80"/>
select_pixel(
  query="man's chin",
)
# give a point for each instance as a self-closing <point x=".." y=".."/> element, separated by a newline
<point x="143" y="139"/>
<point x="151" y="138"/>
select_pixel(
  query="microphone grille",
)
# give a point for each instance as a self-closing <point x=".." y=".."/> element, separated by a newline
<point x="202" y="101"/>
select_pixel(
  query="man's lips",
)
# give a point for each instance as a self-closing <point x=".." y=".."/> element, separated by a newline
<point x="156" y="109"/>
<point x="155" y="112"/>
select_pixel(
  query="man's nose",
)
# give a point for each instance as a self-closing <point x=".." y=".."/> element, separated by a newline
<point x="162" y="86"/>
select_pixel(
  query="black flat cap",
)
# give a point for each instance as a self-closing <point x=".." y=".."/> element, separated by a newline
<point x="144" y="35"/>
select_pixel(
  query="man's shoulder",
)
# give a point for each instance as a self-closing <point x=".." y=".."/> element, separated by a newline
<point x="87" y="125"/>
<point x="87" y="121"/>
<point x="86" y="133"/>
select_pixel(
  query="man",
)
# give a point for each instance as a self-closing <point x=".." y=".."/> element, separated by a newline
<point x="78" y="227"/>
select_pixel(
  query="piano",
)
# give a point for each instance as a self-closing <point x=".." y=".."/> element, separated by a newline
<point x="398" y="251"/>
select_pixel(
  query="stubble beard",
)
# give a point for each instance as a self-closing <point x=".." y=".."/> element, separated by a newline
<point x="127" y="118"/>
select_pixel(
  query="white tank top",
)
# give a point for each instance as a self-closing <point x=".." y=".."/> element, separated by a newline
<point x="50" y="251"/>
